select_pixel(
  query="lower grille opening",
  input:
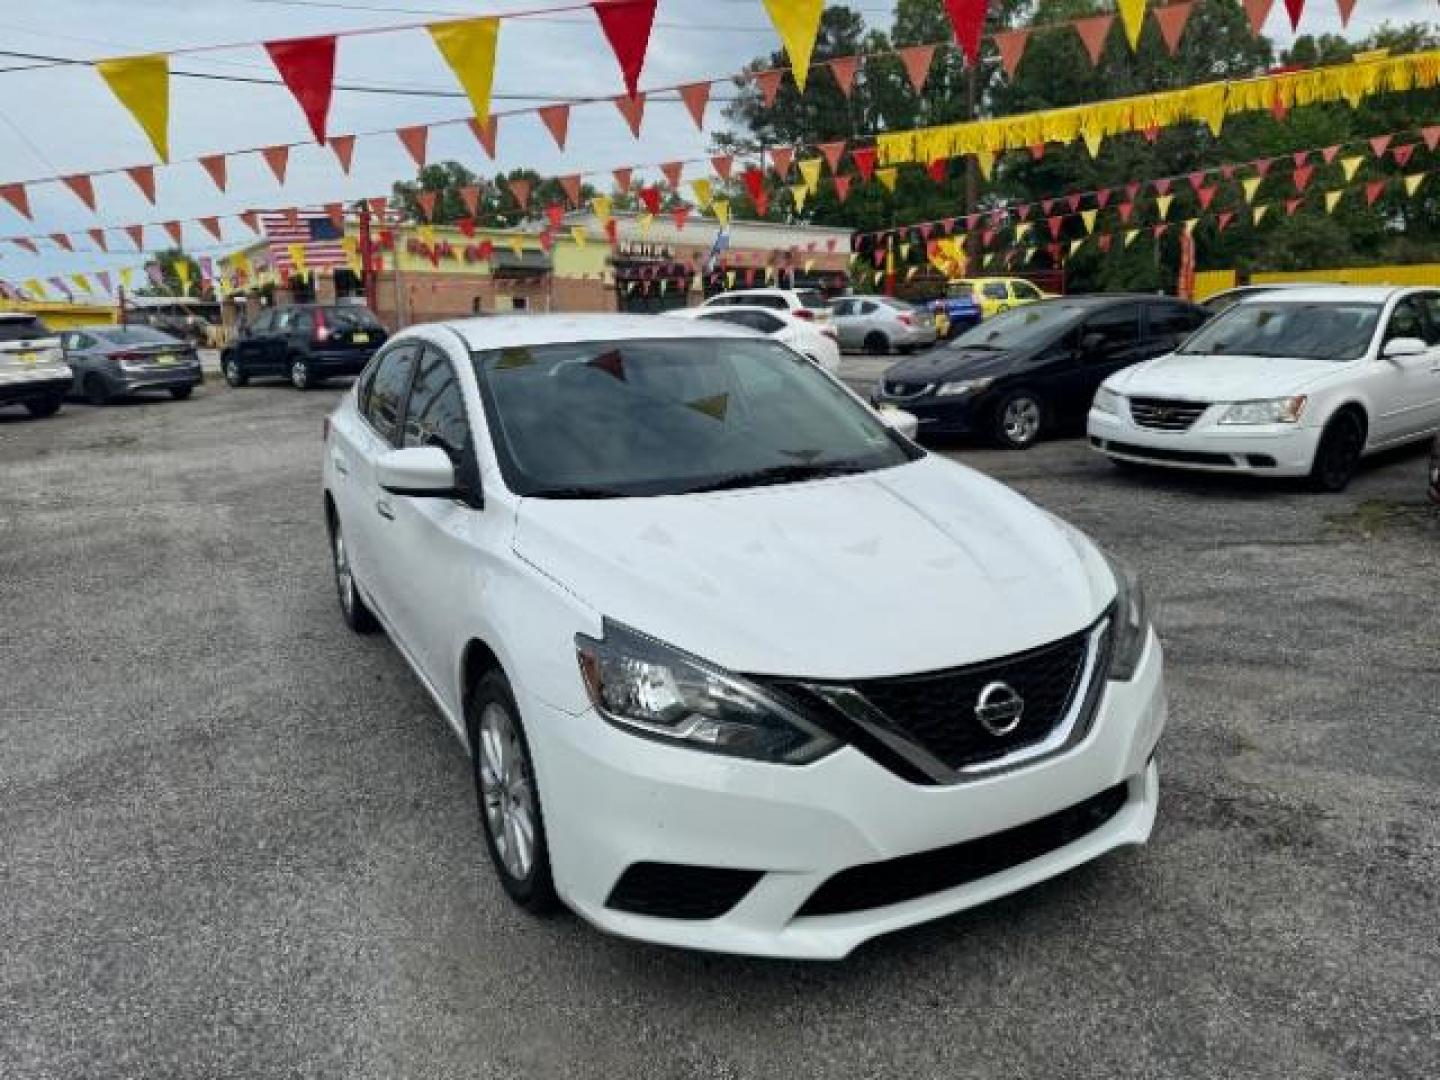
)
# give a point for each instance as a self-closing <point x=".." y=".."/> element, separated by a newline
<point x="894" y="881"/>
<point x="1160" y="453"/>
<point x="1260" y="461"/>
<point x="673" y="891"/>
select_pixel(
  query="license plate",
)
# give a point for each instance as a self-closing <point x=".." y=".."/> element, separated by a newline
<point x="165" y="361"/>
<point x="27" y="357"/>
<point x="360" y="339"/>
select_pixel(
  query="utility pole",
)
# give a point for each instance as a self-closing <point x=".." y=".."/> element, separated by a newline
<point x="972" y="178"/>
<point x="367" y="258"/>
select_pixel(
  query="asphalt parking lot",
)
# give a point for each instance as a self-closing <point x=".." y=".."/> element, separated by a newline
<point x="238" y="840"/>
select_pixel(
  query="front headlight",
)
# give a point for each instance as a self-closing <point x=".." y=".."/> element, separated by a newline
<point x="1132" y="623"/>
<point x="967" y="386"/>
<point x="1285" y="410"/>
<point x="648" y="688"/>
<point x="1108" y="401"/>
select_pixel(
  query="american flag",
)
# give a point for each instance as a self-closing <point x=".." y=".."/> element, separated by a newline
<point x="313" y="229"/>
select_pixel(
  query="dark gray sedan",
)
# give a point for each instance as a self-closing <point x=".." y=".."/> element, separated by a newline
<point x="115" y="361"/>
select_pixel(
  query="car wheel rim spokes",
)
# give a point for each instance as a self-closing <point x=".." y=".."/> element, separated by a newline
<point x="506" y="792"/>
<point x="298" y="375"/>
<point x="1022" y="420"/>
<point x="343" y="578"/>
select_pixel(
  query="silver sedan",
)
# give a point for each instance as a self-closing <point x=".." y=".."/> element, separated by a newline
<point x="878" y="324"/>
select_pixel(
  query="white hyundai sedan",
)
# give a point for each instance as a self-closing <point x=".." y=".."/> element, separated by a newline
<point x="1299" y="382"/>
<point x="660" y="577"/>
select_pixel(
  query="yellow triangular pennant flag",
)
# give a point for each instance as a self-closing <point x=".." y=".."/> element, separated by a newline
<point x="904" y="252"/>
<point x="1258" y="213"/>
<point x="1132" y="14"/>
<point x="516" y="246"/>
<point x="126" y="274"/>
<point x="1351" y="165"/>
<point x="1089" y="218"/>
<point x="729" y="279"/>
<point x="182" y="271"/>
<point x="427" y="234"/>
<point x="721" y="209"/>
<point x="142" y="83"/>
<point x="469" y="48"/>
<point x="809" y="172"/>
<point x="703" y="192"/>
<point x="645" y="221"/>
<point x="798" y="193"/>
<point x="34" y="287"/>
<point x="1130" y="235"/>
<point x="888" y="177"/>
<point x="798" y="23"/>
<point x="1413" y="182"/>
<point x="1331" y="199"/>
<point x="986" y="160"/>
<point x="1190" y="226"/>
<point x="879" y="276"/>
<point x="577" y="233"/>
<point x="1093" y="139"/>
<point x="1022" y="230"/>
<point x="1075" y="246"/>
<point x="601" y="205"/>
<point x="809" y="265"/>
<point x="81" y="282"/>
<point x="1250" y="185"/>
<point x="240" y="261"/>
<point x="1162" y="203"/>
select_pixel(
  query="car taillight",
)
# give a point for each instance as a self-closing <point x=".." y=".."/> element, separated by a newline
<point x="904" y="319"/>
<point x="125" y="357"/>
<point x="321" y="333"/>
<point x="804" y="313"/>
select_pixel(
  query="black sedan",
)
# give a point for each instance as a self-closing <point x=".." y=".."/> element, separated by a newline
<point x="1034" y="369"/>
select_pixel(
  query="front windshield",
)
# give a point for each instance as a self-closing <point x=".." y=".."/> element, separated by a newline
<point x="667" y="416"/>
<point x="1022" y="327"/>
<point x="1310" y="330"/>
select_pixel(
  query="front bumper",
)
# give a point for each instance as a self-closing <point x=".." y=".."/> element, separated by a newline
<point x="959" y="414"/>
<point x="16" y="390"/>
<point x="1263" y="450"/>
<point x="612" y="800"/>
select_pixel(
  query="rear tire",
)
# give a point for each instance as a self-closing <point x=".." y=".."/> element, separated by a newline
<point x="234" y="373"/>
<point x="877" y="344"/>
<point x="1019" y="420"/>
<point x="97" y="390"/>
<point x="1337" y="456"/>
<point x="300" y="376"/>
<point x="507" y="794"/>
<point x="41" y="409"/>
<point x="180" y="393"/>
<point x="357" y="616"/>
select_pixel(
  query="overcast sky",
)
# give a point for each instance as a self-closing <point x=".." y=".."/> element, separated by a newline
<point x="63" y="120"/>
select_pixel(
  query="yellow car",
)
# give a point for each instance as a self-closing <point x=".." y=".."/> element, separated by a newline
<point x="997" y="294"/>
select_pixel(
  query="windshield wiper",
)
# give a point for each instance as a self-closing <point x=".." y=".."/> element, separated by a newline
<point x="575" y="492"/>
<point x="779" y="474"/>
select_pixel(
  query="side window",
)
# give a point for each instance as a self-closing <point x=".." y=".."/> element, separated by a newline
<point x="773" y="302"/>
<point x="765" y="322"/>
<point x="301" y="322"/>
<point x="435" y="415"/>
<point x="1407" y="320"/>
<point x="995" y="290"/>
<point x="1023" y="290"/>
<point x="842" y="309"/>
<point x="1112" y="331"/>
<point x="387" y="390"/>
<point x="869" y="307"/>
<point x="1431" y="303"/>
<point x="263" y="322"/>
<point x="1171" y="320"/>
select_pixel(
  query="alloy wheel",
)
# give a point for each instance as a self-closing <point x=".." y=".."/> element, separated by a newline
<point x="1021" y="420"/>
<point x="507" y="792"/>
<point x="344" y="579"/>
<point x="299" y="375"/>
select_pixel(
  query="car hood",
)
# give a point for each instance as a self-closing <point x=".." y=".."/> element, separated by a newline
<point x="922" y="566"/>
<point x="942" y="364"/>
<point x="1221" y="378"/>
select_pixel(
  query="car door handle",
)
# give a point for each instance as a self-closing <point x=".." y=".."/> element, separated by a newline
<point x="383" y="509"/>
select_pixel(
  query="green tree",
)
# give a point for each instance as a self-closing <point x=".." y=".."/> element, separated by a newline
<point x="496" y="207"/>
<point x="168" y="260"/>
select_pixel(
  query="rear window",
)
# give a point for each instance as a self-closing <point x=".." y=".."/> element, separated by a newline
<point x="350" y="317"/>
<point x="811" y="298"/>
<point x="960" y="290"/>
<point x="22" y="329"/>
<point x="134" y="335"/>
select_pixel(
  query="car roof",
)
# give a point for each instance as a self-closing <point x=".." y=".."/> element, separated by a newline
<point x="779" y="313"/>
<point x="509" y="331"/>
<point x="1100" y="299"/>
<point x="1365" y="294"/>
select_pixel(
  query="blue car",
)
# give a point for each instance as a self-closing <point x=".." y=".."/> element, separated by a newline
<point x="959" y="309"/>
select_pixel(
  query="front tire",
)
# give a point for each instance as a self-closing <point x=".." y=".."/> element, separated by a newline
<point x="1337" y="456"/>
<point x="508" y="795"/>
<point x="41" y="409"/>
<point x="1019" y="420"/>
<point x="180" y="393"/>
<point x="357" y="616"/>
<point x="234" y="373"/>
<point x="300" y="376"/>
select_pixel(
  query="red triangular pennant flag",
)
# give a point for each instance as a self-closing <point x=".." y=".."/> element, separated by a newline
<point x="696" y="96"/>
<point x="833" y="152"/>
<point x="1161" y="186"/>
<point x="967" y="21"/>
<point x="937" y="170"/>
<point x="278" y="158"/>
<point x="722" y="164"/>
<point x="83" y="187"/>
<point x="1206" y="197"/>
<point x="1171" y="20"/>
<point x="1056" y="224"/>
<point x="1073" y="201"/>
<point x="144" y="177"/>
<point x="622" y="179"/>
<point x="470" y="196"/>
<point x="1197" y="180"/>
<point x="97" y="237"/>
<point x="1373" y="190"/>
<point x="1257" y="11"/>
<point x="948" y="224"/>
<point x="467" y="226"/>
<point x="1104" y="240"/>
<point x="754" y="184"/>
<point x="1011" y="44"/>
<point x="415" y="140"/>
<point x="864" y="158"/>
<point x="137" y="236"/>
<point x="672" y="171"/>
<point x="172" y="228"/>
<point x="1294" y="8"/>
<point x="27" y="245"/>
<point x="780" y="159"/>
<point x="842" y="188"/>
<point x="916" y="59"/>
<point x="1262" y="166"/>
<point x="1431" y="135"/>
<point x="1093" y="32"/>
<point x="1329" y="154"/>
<point x="62" y="241"/>
<point x="1023" y="211"/>
<point x="1347" y="8"/>
<point x="626" y="24"/>
<point x="344" y="148"/>
<point x="1380" y="143"/>
<point x="557" y="122"/>
<point x="308" y="67"/>
<point x="520" y="188"/>
<point x="1302" y="177"/>
<point x="215" y="166"/>
<point x="18" y="197"/>
<point x="485" y="133"/>
<point x="633" y="110"/>
<point x="1223" y="222"/>
<point x="680" y="215"/>
<point x="426" y="201"/>
<point x="1300" y="157"/>
<point x="1037" y="151"/>
<point x="1102" y="198"/>
<point x="1046" y="205"/>
<point x="212" y="226"/>
<point x="1227" y="172"/>
<point x="1402" y="154"/>
<point x="844" y="68"/>
<point x="571" y="186"/>
<point x="555" y="213"/>
<point x="1125" y="209"/>
<point x="768" y="83"/>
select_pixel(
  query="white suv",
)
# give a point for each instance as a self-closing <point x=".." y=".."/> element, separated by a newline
<point x="659" y="575"/>
<point x="1295" y="382"/>
<point x="806" y="304"/>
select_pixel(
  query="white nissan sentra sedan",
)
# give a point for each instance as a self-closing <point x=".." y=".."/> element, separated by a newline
<point x="661" y="577"/>
<point x="1296" y="382"/>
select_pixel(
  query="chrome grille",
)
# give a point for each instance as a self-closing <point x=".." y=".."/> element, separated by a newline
<point x="1166" y="415"/>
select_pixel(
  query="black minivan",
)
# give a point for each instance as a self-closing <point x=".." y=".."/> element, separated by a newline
<point x="1034" y="369"/>
<point x="305" y="343"/>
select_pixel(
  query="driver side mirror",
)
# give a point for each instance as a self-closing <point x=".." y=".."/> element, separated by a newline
<point x="1091" y="342"/>
<point x="420" y="472"/>
<point x="906" y="423"/>
<point x="1403" y="346"/>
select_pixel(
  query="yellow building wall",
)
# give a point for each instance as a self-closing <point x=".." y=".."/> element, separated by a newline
<point x="1210" y="282"/>
<point x="61" y="316"/>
